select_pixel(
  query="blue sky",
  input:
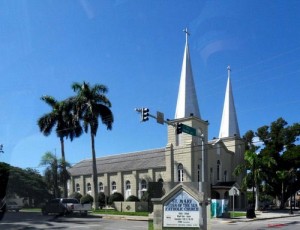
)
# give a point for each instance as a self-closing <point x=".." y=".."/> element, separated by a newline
<point x="135" y="48"/>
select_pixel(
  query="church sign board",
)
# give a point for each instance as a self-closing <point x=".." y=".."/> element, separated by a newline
<point x="181" y="211"/>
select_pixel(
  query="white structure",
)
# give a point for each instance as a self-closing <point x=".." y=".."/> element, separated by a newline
<point x="229" y="123"/>
<point x="185" y="158"/>
<point x="187" y="102"/>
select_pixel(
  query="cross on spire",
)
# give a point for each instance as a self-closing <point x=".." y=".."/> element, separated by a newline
<point x="187" y="102"/>
<point x="228" y="70"/>
<point x="186" y="33"/>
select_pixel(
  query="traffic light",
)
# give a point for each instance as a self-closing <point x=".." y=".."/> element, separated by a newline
<point x="145" y="114"/>
<point x="179" y="128"/>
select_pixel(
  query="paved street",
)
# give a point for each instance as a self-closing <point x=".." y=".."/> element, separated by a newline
<point x="25" y="220"/>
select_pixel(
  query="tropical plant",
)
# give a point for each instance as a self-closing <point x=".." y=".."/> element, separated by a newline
<point x="91" y="104"/>
<point x="280" y="142"/>
<point x="254" y="163"/>
<point x="67" y="125"/>
<point x="268" y="161"/>
<point x="283" y="176"/>
<point x="54" y="173"/>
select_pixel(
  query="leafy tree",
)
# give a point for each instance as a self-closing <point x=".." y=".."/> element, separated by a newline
<point x="66" y="124"/>
<point x="280" y="142"/>
<point x="91" y="103"/>
<point x="27" y="183"/>
<point x="270" y="162"/>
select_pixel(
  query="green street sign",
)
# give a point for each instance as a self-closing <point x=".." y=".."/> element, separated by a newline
<point x="189" y="130"/>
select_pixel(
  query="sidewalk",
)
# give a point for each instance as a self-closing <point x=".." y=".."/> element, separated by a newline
<point x="260" y="215"/>
<point x="264" y="215"/>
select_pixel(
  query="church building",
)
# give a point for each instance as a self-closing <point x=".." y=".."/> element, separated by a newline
<point x="185" y="158"/>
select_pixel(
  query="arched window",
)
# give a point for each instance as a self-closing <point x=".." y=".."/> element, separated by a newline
<point x="218" y="169"/>
<point x="180" y="172"/>
<point x="89" y="187"/>
<point x="101" y="188"/>
<point x="127" y="189"/>
<point x="113" y="186"/>
<point x="143" y="185"/>
<point x="128" y="185"/>
<point x="77" y="187"/>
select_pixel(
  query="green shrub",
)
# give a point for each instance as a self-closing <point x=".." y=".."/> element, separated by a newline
<point x="76" y="195"/>
<point x="87" y="199"/>
<point x="115" y="197"/>
<point x="102" y="199"/>
<point x="146" y="197"/>
<point x="133" y="198"/>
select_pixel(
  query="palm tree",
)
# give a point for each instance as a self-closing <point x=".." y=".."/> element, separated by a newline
<point x="283" y="176"/>
<point x="91" y="104"/>
<point x="255" y="163"/>
<point x="67" y="125"/>
<point x="54" y="173"/>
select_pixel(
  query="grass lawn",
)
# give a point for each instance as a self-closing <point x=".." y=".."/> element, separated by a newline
<point x="237" y="214"/>
<point x="150" y="225"/>
<point x="30" y="210"/>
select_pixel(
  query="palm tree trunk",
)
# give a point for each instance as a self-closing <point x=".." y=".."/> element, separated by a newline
<point x="257" y="197"/>
<point x="55" y="178"/>
<point x="95" y="176"/>
<point x="282" y="196"/>
<point x="63" y="158"/>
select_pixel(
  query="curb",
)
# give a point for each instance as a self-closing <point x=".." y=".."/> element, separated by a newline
<point x="122" y="217"/>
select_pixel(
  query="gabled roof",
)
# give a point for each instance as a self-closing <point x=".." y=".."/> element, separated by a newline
<point x="149" y="159"/>
<point x="229" y="124"/>
<point x="187" y="102"/>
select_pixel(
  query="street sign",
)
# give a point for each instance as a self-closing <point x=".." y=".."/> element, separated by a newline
<point x="160" y="117"/>
<point x="234" y="191"/>
<point x="189" y="130"/>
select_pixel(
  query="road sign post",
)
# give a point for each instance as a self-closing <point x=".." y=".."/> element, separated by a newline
<point x="189" y="130"/>
<point x="233" y="192"/>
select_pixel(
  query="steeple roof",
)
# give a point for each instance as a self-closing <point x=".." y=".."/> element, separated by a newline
<point x="187" y="102"/>
<point x="229" y="124"/>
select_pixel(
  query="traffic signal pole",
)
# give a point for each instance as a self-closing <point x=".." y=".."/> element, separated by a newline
<point x="145" y="113"/>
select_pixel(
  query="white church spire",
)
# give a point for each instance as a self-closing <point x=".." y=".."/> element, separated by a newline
<point x="187" y="102"/>
<point x="229" y="124"/>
